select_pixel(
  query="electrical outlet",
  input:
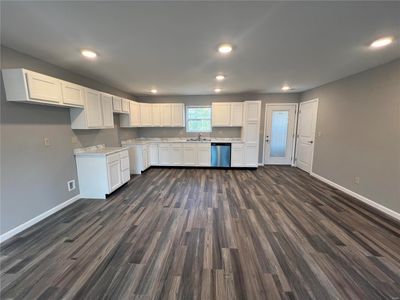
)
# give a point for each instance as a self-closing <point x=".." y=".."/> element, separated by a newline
<point x="71" y="185"/>
<point x="356" y="180"/>
<point x="46" y="142"/>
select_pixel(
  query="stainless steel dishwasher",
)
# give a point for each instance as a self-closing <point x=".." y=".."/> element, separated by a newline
<point x="221" y="155"/>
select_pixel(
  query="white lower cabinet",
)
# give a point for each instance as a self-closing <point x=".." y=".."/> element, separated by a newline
<point x="237" y="155"/>
<point x="114" y="174"/>
<point x="163" y="154"/>
<point x="176" y="154"/>
<point x="204" y="154"/>
<point x="153" y="154"/>
<point x="101" y="174"/>
<point x="190" y="154"/>
<point x="251" y="155"/>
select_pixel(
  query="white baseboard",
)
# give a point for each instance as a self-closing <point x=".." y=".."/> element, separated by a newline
<point x="367" y="201"/>
<point x="18" y="229"/>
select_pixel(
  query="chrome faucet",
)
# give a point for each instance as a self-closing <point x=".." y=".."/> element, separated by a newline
<point x="199" y="137"/>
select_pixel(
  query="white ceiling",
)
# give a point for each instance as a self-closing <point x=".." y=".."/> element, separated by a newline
<point x="172" y="45"/>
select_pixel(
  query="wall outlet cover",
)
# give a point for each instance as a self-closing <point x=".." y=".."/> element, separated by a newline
<point x="71" y="185"/>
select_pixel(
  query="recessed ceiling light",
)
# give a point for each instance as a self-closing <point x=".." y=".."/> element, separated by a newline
<point x="286" y="88"/>
<point x="220" y="77"/>
<point x="153" y="91"/>
<point x="89" y="54"/>
<point x="217" y="90"/>
<point x="382" y="42"/>
<point x="225" y="48"/>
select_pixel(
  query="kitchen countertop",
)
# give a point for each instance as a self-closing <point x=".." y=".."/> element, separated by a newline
<point x="141" y="141"/>
<point x="99" y="150"/>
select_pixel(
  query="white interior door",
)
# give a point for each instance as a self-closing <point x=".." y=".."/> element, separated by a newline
<point x="280" y="120"/>
<point x="306" y="134"/>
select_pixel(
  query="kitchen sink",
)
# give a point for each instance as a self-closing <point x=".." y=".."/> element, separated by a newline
<point x="198" y="140"/>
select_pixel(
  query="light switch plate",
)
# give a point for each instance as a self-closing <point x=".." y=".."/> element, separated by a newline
<point x="46" y="141"/>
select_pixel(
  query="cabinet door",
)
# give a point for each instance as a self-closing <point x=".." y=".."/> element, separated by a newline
<point x="145" y="157"/>
<point x="156" y="114"/>
<point x="221" y="114"/>
<point x="190" y="154"/>
<point x="177" y="110"/>
<point x="134" y="114"/>
<point x="163" y="154"/>
<point x="204" y="154"/>
<point x="237" y="114"/>
<point x="125" y="106"/>
<point x="153" y="149"/>
<point x="251" y="155"/>
<point x="117" y="104"/>
<point x="176" y="155"/>
<point x="114" y="175"/>
<point x="126" y="175"/>
<point x="72" y="94"/>
<point x="251" y="132"/>
<point x="107" y="110"/>
<point x="237" y="155"/>
<point x="145" y="115"/>
<point x="252" y="109"/>
<point x="93" y="109"/>
<point x="44" y="88"/>
<point x="166" y="115"/>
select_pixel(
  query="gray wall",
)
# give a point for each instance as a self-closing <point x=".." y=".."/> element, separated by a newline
<point x="359" y="123"/>
<point x="34" y="177"/>
<point x="207" y="100"/>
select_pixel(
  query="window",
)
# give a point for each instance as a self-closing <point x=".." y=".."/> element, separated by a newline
<point x="198" y="119"/>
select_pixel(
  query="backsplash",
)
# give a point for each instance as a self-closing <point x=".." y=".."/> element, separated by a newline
<point x="225" y="132"/>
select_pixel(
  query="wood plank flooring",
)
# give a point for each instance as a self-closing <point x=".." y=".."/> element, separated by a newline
<point x="273" y="233"/>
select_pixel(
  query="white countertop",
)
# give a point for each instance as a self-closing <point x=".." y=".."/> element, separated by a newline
<point x="99" y="150"/>
<point x="141" y="141"/>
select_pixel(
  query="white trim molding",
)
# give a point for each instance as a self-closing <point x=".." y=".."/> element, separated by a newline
<point x="9" y="234"/>
<point x="367" y="201"/>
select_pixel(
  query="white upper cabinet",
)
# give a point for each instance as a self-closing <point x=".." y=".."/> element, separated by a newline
<point x="135" y="114"/>
<point x="72" y="94"/>
<point x="237" y="114"/>
<point x="125" y="106"/>
<point x="117" y="104"/>
<point x="221" y="114"/>
<point x="146" y="115"/>
<point x="93" y="109"/>
<point x="178" y="115"/>
<point x="107" y="110"/>
<point x="227" y="114"/>
<point x="96" y="114"/>
<point x="156" y="114"/>
<point x="133" y="118"/>
<point x="42" y="87"/>
<point x="31" y="87"/>
<point x="166" y="115"/>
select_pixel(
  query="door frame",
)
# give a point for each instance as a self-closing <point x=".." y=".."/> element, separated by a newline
<point x="315" y="131"/>
<point x="296" y="108"/>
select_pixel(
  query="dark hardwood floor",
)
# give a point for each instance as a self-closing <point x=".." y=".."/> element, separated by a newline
<point x="208" y="234"/>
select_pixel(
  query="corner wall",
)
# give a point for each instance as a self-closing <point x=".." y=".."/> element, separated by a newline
<point x="34" y="177"/>
<point x="358" y="133"/>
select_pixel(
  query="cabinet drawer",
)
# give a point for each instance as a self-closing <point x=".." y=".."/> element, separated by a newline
<point x="113" y="157"/>
<point x="123" y="154"/>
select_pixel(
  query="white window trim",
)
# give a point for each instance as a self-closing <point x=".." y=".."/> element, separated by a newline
<point x="187" y="119"/>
